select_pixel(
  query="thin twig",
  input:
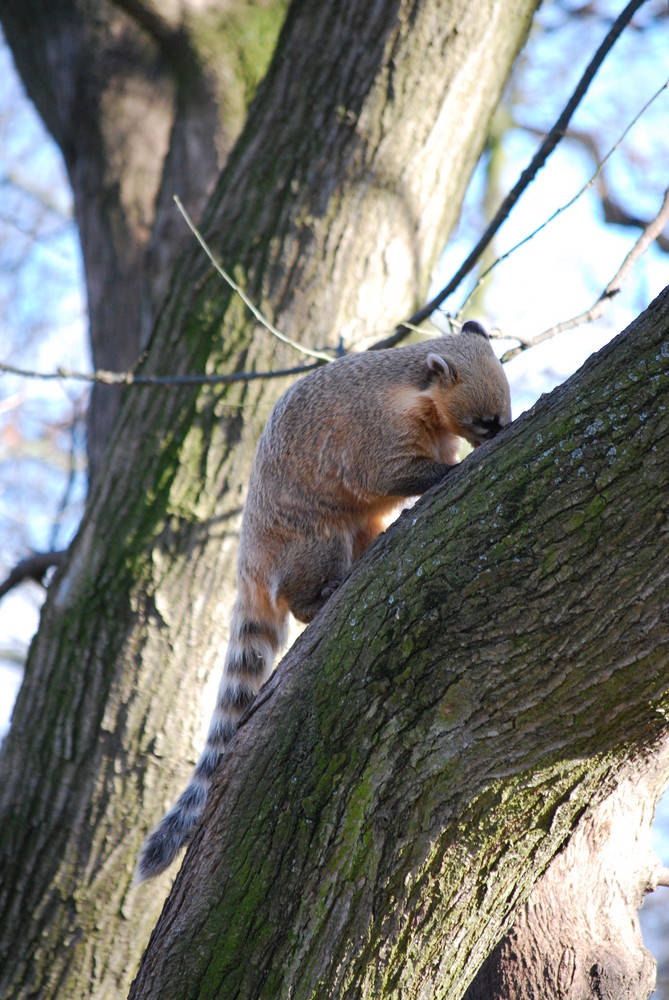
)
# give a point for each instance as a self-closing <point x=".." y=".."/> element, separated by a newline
<point x="545" y="149"/>
<point x="563" y="208"/>
<point x="103" y="377"/>
<point x="647" y="237"/>
<point x="245" y="299"/>
<point x="614" y="213"/>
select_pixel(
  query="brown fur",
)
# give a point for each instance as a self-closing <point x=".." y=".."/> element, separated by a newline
<point x="341" y="449"/>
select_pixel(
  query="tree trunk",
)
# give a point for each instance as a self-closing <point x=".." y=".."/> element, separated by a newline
<point x="578" y="935"/>
<point x="494" y="668"/>
<point x="332" y="208"/>
<point x="144" y="104"/>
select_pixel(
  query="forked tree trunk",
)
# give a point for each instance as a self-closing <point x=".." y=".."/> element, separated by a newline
<point x="145" y="102"/>
<point x="490" y="687"/>
<point x="331" y="211"/>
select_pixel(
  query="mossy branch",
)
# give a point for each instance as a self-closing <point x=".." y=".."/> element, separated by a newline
<point x="444" y="726"/>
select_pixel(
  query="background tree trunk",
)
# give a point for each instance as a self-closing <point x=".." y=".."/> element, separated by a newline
<point x="578" y="935"/>
<point x="492" y="671"/>
<point x="331" y="211"/>
<point x="144" y="102"/>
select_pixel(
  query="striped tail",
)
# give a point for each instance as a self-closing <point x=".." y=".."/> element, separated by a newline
<point x="254" y="643"/>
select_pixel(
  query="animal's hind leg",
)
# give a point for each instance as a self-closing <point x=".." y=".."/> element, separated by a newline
<point x="313" y="569"/>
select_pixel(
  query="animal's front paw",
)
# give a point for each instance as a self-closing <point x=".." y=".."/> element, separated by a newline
<point x="330" y="587"/>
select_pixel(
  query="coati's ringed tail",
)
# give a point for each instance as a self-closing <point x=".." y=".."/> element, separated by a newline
<point x="254" y="642"/>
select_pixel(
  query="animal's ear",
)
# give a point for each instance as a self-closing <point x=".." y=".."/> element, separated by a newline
<point x="440" y="366"/>
<point x="473" y="326"/>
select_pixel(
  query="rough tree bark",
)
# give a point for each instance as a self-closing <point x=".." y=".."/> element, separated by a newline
<point x="145" y="101"/>
<point x="332" y="208"/>
<point x="488" y="686"/>
<point x="578" y="935"/>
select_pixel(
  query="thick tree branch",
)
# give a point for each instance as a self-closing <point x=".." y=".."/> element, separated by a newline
<point x="479" y="685"/>
<point x="578" y="935"/>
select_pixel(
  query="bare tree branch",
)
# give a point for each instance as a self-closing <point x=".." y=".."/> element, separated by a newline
<point x="648" y="236"/>
<point x="34" y="567"/>
<point x="563" y="208"/>
<point x="552" y="139"/>
<point x="614" y="213"/>
<point x="129" y="378"/>
<point x="320" y="355"/>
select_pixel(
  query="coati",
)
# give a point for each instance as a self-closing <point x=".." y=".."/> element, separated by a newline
<point x="342" y="448"/>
